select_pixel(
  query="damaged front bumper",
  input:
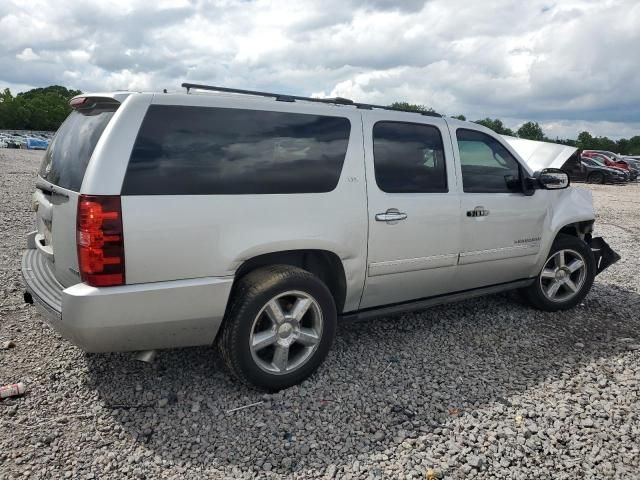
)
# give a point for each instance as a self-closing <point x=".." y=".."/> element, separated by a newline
<point x="603" y="253"/>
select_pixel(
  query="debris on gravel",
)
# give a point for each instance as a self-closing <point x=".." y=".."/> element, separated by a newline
<point x="486" y="388"/>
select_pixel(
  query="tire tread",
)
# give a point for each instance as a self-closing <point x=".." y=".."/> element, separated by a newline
<point x="534" y="296"/>
<point x="249" y="287"/>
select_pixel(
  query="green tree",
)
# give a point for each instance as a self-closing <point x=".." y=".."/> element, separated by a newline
<point x="605" y="143"/>
<point x="531" y="131"/>
<point x="37" y="109"/>
<point x="496" y="125"/>
<point x="622" y="145"/>
<point x="411" y="107"/>
<point x="585" y="141"/>
<point x="633" y="147"/>
<point x="460" y="117"/>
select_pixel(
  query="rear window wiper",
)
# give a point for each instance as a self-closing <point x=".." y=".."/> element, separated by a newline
<point x="47" y="187"/>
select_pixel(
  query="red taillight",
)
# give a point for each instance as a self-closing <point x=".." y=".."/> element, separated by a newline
<point x="100" y="241"/>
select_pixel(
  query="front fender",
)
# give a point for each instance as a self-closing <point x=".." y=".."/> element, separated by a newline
<point x="572" y="205"/>
<point x="569" y="206"/>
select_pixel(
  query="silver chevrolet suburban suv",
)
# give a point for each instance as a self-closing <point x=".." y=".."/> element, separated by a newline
<point x="257" y="221"/>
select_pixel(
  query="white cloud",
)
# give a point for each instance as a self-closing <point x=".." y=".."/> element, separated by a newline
<point x="569" y="65"/>
<point x="27" y="55"/>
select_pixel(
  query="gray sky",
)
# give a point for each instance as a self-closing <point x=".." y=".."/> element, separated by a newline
<point x="571" y="64"/>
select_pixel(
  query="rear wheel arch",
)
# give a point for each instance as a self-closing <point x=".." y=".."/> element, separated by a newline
<point x="324" y="264"/>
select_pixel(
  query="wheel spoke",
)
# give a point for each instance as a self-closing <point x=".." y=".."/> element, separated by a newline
<point x="274" y="312"/>
<point x="553" y="289"/>
<point x="300" y="308"/>
<point x="548" y="273"/>
<point x="263" y="339"/>
<point x="307" y="337"/>
<point x="560" y="261"/>
<point x="577" y="264"/>
<point x="570" y="285"/>
<point x="281" y="357"/>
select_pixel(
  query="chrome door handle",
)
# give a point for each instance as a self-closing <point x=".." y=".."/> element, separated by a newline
<point x="391" y="216"/>
<point x="479" y="211"/>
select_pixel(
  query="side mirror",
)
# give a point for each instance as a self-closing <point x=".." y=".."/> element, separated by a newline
<point x="552" y="179"/>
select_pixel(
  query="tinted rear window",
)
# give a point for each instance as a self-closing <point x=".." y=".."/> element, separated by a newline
<point x="200" y="150"/>
<point x="67" y="157"/>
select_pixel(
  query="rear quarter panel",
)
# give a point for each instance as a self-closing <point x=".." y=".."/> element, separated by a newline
<point x="190" y="236"/>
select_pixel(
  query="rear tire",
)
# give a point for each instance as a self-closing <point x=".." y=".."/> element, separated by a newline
<point x="596" y="177"/>
<point x="279" y="327"/>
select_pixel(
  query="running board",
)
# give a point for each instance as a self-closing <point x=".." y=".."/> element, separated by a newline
<point x="433" y="301"/>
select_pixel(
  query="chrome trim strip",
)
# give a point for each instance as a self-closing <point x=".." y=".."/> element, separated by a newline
<point x="499" y="253"/>
<point x="412" y="264"/>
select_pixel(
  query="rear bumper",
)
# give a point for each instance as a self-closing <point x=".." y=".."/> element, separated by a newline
<point x="145" y="316"/>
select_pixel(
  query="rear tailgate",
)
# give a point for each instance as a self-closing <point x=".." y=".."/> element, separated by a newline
<point x="59" y="180"/>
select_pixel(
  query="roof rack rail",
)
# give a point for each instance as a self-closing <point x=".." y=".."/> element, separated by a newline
<point x="292" y="98"/>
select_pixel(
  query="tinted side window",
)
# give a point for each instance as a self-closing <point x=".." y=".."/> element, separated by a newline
<point x="487" y="166"/>
<point x="199" y="150"/>
<point x="408" y="158"/>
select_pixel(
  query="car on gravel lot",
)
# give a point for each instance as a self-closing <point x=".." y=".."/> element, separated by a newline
<point x="612" y="160"/>
<point x="256" y="221"/>
<point x="591" y="170"/>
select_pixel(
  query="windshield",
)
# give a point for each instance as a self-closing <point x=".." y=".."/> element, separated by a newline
<point x="68" y="155"/>
<point x="610" y="156"/>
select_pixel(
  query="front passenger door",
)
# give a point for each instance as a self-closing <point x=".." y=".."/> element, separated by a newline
<point x="501" y="227"/>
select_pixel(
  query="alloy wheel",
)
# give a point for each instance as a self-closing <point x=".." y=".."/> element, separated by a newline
<point x="286" y="332"/>
<point x="563" y="275"/>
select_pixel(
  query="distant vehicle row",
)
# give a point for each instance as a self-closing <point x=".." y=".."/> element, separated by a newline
<point x="600" y="166"/>
<point x="29" y="140"/>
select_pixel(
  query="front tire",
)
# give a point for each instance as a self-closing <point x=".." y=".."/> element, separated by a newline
<point x="279" y="327"/>
<point x="596" y="177"/>
<point x="565" y="278"/>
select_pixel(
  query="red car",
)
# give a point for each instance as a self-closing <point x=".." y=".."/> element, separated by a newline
<point x="612" y="160"/>
<point x="606" y="160"/>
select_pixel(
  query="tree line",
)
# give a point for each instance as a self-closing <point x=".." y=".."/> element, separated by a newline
<point x="533" y="131"/>
<point x="37" y="109"/>
<point x="46" y="108"/>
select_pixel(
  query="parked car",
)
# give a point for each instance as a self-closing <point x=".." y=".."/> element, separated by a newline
<point x="610" y="159"/>
<point x="34" y="143"/>
<point x="606" y="162"/>
<point x="14" y="142"/>
<point x="633" y="161"/>
<point x="591" y="170"/>
<point x="257" y="220"/>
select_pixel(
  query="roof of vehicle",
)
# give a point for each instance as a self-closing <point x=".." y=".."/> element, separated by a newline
<point x="537" y="155"/>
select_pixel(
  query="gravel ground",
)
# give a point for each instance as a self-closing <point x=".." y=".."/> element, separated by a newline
<point x="484" y="388"/>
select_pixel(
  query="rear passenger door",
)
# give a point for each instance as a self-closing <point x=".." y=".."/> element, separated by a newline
<point x="414" y="214"/>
